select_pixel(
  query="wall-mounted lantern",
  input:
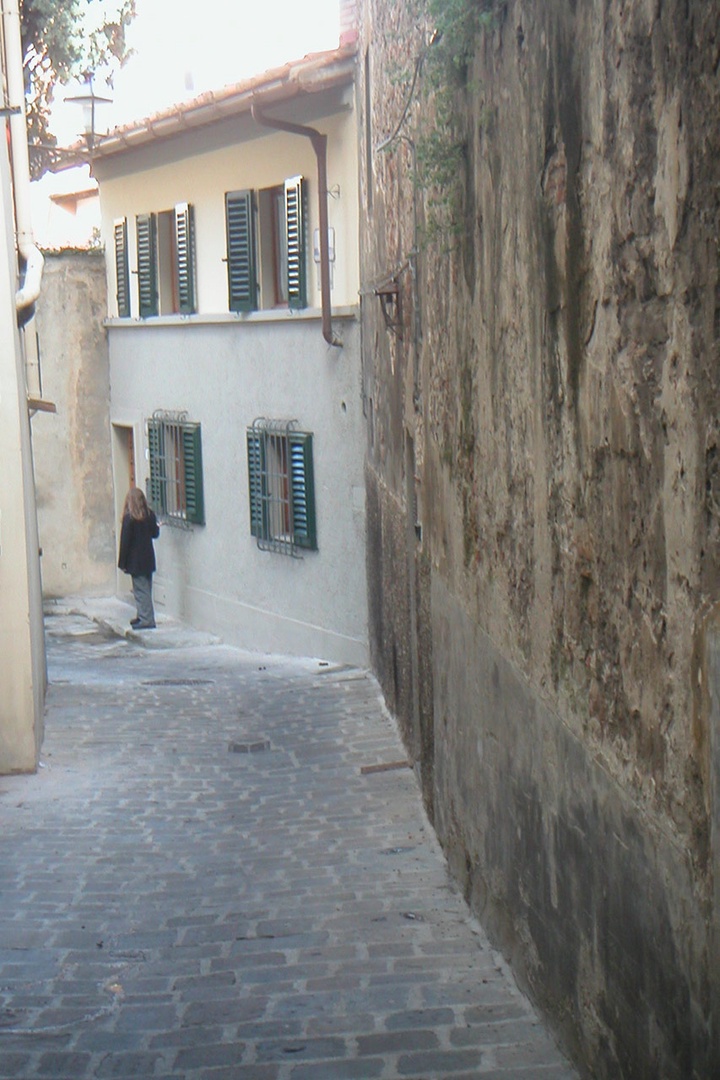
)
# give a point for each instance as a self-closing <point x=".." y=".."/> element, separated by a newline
<point x="89" y="101"/>
<point x="391" y="305"/>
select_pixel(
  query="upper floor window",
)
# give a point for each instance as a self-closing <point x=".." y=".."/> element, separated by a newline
<point x="146" y="239"/>
<point x="273" y="247"/>
<point x="165" y="262"/>
<point x="122" y="270"/>
<point x="266" y="246"/>
<point x="176" y="262"/>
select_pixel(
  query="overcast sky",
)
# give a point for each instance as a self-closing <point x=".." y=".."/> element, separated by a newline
<point x="184" y="47"/>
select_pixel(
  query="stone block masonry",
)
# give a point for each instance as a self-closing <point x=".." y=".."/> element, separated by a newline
<point x="542" y="471"/>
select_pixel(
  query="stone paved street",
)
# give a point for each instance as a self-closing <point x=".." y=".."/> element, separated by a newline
<point x="205" y="881"/>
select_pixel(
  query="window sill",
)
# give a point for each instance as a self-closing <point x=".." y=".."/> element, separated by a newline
<point x="268" y="315"/>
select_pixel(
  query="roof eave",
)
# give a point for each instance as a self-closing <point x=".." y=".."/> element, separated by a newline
<point x="313" y="75"/>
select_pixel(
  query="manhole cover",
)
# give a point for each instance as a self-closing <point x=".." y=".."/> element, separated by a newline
<point x="249" y="746"/>
<point x="177" y="682"/>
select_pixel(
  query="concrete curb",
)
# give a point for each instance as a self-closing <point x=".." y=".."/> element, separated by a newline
<point x="113" y="616"/>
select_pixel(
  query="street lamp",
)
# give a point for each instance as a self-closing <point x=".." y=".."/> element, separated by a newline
<point x="89" y="100"/>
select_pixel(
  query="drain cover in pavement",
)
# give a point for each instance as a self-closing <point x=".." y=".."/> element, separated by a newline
<point x="177" y="682"/>
<point x="253" y="746"/>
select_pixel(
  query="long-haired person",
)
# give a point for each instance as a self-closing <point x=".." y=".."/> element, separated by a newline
<point x="137" y="554"/>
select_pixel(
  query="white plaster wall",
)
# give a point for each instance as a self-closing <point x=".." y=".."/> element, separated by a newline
<point x="22" y="647"/>
<point x="260" y="163"/>
<point x="225" y="375"/>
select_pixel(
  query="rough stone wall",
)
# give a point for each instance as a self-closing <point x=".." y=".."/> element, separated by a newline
<point x="557" y="379"/>
<point x="73" y="472"/>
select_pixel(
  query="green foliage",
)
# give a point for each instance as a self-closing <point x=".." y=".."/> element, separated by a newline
<point x="61" y="40"/>
<point x="458" y="25"/>
<point x="441" y="152"/>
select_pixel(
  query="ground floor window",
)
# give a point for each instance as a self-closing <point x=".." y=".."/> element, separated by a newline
<point x="176" y="477"/>
<point x="281" y="486"/>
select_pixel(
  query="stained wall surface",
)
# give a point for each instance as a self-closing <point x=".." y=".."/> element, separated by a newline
<point x="544" y="495"/>
<point x="73" y="470"/>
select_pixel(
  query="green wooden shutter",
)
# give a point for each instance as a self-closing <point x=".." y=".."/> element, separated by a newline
<point x="295" y="224"/>
<point x="185" y="254"/>
<point x="157" y="472"/>
<point x="302" y="485"/>
<point x="122" y="272"/>
<point x="192" y="455"/>
<point x="241" y="262"/>
<point x="255" y="484"/>
<point x="147" y="264"/>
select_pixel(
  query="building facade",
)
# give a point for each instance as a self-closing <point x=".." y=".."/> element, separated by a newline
<point x="23" y="675"/>
<point x="234" y="376"/>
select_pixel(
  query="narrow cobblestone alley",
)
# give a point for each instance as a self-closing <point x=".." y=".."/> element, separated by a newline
<point x="209" y="878"/>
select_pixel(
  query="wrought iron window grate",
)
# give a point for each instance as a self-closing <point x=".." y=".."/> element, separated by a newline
<point x="176" y="479"/>
<point x="281" y="487"/>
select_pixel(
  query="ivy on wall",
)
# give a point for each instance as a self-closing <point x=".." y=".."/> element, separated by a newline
<point x="441" y="152"/>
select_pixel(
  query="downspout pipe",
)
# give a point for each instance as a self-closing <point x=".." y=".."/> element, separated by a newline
<point x="319" y="144"/>
<point x="28" y="252"/>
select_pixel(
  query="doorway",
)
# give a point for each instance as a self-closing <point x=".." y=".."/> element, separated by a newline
<point x="123" y="453"/>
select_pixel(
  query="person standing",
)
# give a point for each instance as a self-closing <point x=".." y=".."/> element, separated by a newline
<point x="137" y="554"/>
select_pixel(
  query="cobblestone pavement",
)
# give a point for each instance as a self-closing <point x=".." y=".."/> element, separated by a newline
<point x="204" y="880"/>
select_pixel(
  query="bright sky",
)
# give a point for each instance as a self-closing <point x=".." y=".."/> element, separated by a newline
<point x="183" y="48"/>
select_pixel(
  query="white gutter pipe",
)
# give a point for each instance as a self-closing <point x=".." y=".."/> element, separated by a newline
<point x="28" y="251"/>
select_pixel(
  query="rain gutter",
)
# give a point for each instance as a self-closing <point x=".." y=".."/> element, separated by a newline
<point x="28" y="252"/>
<point x="319" y="145"/>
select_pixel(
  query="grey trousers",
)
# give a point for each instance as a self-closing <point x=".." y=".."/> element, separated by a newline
<point x="142" y="591"/>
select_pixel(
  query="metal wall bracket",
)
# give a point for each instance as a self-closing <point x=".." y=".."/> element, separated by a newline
<point x="391" y="304"/>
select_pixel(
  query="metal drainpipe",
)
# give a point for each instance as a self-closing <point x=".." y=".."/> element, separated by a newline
<point x="28" y="251"/>
<point x="319" y="143"/>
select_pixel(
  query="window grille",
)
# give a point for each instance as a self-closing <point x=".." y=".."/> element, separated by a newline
<point x="281" y="487"/>
<point x="176" y="478"/>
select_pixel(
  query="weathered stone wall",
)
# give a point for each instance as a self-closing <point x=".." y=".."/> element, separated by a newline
<point x="556" y="377"/>
<point x="72" y="447"/>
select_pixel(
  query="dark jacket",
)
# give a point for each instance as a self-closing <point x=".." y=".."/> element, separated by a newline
<point x="137" y="555"/>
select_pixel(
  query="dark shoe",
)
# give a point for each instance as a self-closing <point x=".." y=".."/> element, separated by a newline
<point x="145" y="626"/>
<point x="135" y="621"/>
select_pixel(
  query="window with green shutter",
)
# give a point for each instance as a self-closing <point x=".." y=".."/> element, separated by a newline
<point x="172" y="235"/>
<point x="156" y="454"/>
<point x="254" y="455"/>
<point x="296" y="226"/>
<point x="267" y="231"/>
<point x="175" y="485"/>
<point x="185" y="258"/>
<point x="192" y="458"/>
<point x="146" y="228"/>
<point x="302" y="485"/>
<point x="241" y="260"/>
<point x="281" y="487"/>
<point x="122" y="272"/>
